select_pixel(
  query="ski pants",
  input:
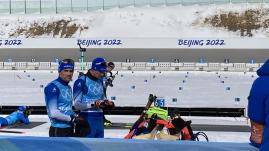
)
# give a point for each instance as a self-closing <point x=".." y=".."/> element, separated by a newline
<point x="95" y="120"/>
<point x="61" y="132"/>
<point x="3" y="122"/>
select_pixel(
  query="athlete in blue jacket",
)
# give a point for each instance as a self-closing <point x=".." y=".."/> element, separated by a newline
<point x="59" y="97"/>
<point x="258" y="109"/>
<point x="90" y="98"/>
<point x="21" y="115"/>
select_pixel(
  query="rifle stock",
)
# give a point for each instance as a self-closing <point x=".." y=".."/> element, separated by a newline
<point x="151" y="99"/>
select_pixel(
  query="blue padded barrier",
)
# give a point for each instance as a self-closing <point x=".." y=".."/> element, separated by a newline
<point x="112" y="144"/>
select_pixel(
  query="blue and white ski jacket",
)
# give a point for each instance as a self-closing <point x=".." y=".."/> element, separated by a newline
<point x="258" y="103"/>
<point x="87" y="90"/>
<point x="59" y="100"/>
<point x="15" y="117"/>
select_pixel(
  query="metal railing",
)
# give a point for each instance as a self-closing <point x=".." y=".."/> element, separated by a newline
<point x="141" y="66"/>
<point x="64" y="6"/>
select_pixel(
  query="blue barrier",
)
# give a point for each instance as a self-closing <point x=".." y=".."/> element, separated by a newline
<point x="91" y="144"/>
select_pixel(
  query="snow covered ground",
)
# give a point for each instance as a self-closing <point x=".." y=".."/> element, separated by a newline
<point x="131" y="88"/>
<point x="214" y="136"/>
<point x="198" y="89"/>
<point x="146" y="21"/>
<point x="24" y="88"/>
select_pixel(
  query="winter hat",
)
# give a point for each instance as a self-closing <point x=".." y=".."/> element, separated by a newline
<point x="66" y="64"/>
<point x="99" y="64"/>
<point x="21" y="108"/>
<point x="111" y="65"/>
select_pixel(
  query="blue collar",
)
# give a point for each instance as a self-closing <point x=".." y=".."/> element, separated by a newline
<point x="59" y="79"/>
<point x="89" y="75"/>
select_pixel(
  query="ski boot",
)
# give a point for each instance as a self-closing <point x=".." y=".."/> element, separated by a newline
<point x="107" y="123"/>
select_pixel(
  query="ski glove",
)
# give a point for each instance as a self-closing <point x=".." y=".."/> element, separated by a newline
<point x="81" y="126"/>
<point x="105" y="104"/>
<point x="256" y="131"/>
<point x="75" y="119"/>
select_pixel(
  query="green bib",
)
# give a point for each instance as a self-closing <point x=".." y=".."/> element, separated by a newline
<point x="161" y="113"/>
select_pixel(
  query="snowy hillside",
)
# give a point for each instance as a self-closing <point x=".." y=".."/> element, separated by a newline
<point x="165" y="21"/>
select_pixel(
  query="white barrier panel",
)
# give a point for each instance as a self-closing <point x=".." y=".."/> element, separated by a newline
<point x="143" y="43"/>
<point x="54" y="65"/>
<point x="140" y="64"/>
<point x="226" y="64"/>
<point x="252" y="65"/>
<point x="20" y="65"/>
<point x="44" y="65"/>
<point x="128" y="64"/>
<point x="89" y="65"/>
<point x="201" y="64"/>
<point x="117" y="64"/>
<point x="239" y="65"/>
<point x="188" y="66"/>
<point x="9" y="65"/>
<point x="152" y="64"/>
<point x="78" y="65"/>
<point x="214" y="65"/>
<point x="33" y="65"/>
<point x="176" y="64"/>
<point x="1" y="65"/>
<point x="164" y="64"/>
